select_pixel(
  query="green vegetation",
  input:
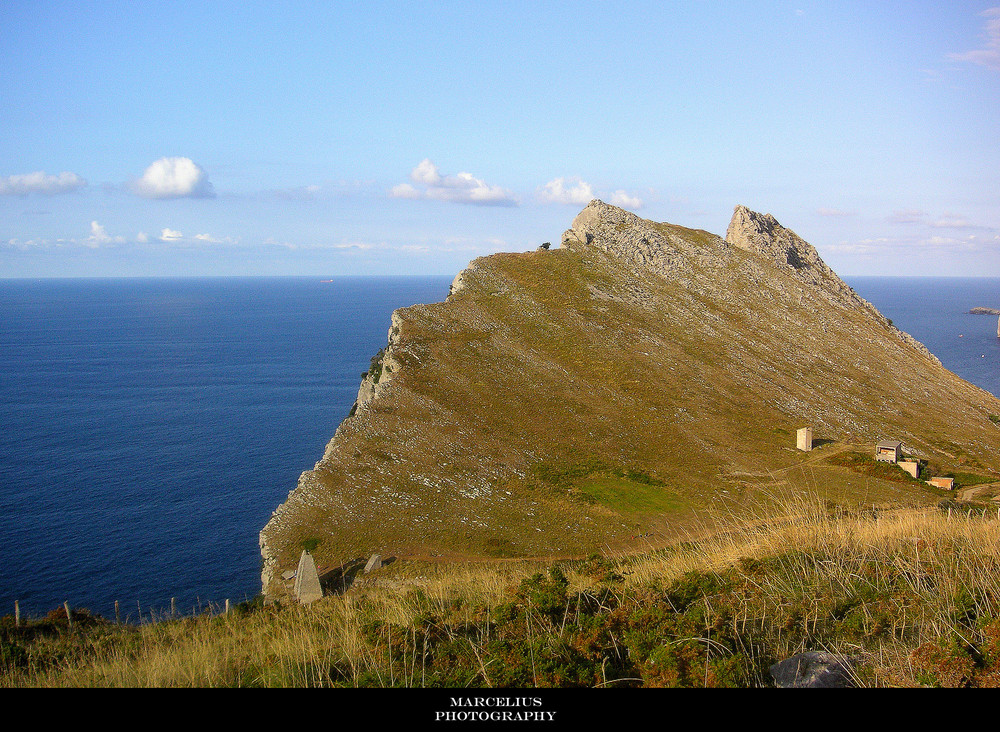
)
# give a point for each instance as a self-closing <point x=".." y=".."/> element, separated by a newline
<point x="867" y="465"/>
<point x="913" y="596"/>
<point x="375" y="369"/>
<point x="967" y="480"/>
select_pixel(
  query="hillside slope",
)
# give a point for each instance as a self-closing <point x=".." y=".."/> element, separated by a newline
<point x="606" y="393"/>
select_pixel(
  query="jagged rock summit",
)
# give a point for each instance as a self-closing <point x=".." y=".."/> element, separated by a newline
<point x="613" y="393"/>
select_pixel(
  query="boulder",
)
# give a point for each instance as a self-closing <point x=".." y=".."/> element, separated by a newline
<point x="814" y="670"/>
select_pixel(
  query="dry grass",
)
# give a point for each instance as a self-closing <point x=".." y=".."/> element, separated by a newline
<point x="913" y="593"/>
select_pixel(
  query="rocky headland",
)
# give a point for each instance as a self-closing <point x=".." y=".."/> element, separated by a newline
<point x="614" y="392"/>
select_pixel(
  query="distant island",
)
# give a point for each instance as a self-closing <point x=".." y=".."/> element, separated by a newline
<point x="984" y="311"/>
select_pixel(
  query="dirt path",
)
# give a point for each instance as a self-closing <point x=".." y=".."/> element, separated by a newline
<point x="967" y="494"/>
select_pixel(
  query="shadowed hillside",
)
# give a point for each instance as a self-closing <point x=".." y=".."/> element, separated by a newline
<point x="608" y="393"/>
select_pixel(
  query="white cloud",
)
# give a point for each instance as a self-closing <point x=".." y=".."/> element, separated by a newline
<point x="170" y="235"/>
<point x="209" y="239"/>
<point x="951" y="221"/>
<point x="461" y="188"/>
<point x="426" y="172"/>
<point x="142" y="237"/>
<point x="909" y="216"/>
<point x="989" y="55"/>
<point x="623" y="200"/>
<point x="174" y="178"/>
<point x="40" y="182"/>
<point x="567" y="190"/>
<point x="99" y="237"/>
<point x="578" y="192"/>
<point x="404" y="190"/>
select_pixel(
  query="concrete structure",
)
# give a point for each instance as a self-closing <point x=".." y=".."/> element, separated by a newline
<point x="307" y="587"/>
<point x="947" y="483"/>
<point x="889" y="451"/>
<point x="804" y="439"/>
<point x="374" y="562"/>
<point x="911" y="467"/>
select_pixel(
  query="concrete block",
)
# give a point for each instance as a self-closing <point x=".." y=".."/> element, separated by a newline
<point x="307" y="587"/>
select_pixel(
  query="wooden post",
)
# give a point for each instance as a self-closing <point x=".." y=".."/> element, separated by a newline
<point x="173" y="607"/>
<point x="227" y="599"/>
<point x="118" y="613"/>
<point x="17" y="614"/>
<point x="69" y="616"/>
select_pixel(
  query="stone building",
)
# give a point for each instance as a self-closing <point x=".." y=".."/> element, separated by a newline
<point x="889" y="451"/>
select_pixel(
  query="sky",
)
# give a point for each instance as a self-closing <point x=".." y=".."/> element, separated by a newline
<point x="346" y="138"/>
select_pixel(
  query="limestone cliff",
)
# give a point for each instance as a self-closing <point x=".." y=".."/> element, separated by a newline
<point x="609" y="393"/>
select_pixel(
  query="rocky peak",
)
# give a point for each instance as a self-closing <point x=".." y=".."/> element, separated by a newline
<point x="763" y="235"/>
<point x="660" y="248"/>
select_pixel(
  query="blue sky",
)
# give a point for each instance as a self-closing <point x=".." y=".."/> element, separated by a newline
<point x="240" y="138"/>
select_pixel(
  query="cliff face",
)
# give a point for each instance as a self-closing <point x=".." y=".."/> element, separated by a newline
<point x="606" y="393"/>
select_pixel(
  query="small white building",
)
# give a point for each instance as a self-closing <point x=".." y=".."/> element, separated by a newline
<point x="804" y="439"/>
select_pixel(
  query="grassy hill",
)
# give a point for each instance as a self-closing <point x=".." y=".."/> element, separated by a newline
<point x="616" y="393"/>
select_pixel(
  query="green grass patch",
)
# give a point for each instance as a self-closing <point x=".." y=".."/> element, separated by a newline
<point x="967" y="480"/>
<point x="629" y="496"/>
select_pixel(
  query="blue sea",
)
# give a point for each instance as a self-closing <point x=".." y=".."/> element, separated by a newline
<point x="148" y="427"/>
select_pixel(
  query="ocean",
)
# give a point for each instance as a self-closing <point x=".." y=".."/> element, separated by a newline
<point x="148" y="427"/>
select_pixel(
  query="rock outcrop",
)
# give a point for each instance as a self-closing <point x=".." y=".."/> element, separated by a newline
<point x="815" y="670"/>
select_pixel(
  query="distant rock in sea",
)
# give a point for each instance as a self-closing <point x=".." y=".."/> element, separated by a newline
<point x="984" y="311"/>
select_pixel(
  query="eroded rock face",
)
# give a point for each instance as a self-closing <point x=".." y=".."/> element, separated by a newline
<point x="764" y="236"/>
<point x="644" y="244"/>
<point x="383" y="369"/>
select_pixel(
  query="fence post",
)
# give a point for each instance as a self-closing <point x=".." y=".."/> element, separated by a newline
<point x="17" y="614"/>
<point x="69" y="615"/>
<point x="227" y="599"/>
<point x="118" y="613"/>
<point x="173" y="608"/>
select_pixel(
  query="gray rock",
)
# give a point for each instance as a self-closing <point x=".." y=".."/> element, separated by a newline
<point x="374" y="562"/>
<point x="814" y="670"/>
